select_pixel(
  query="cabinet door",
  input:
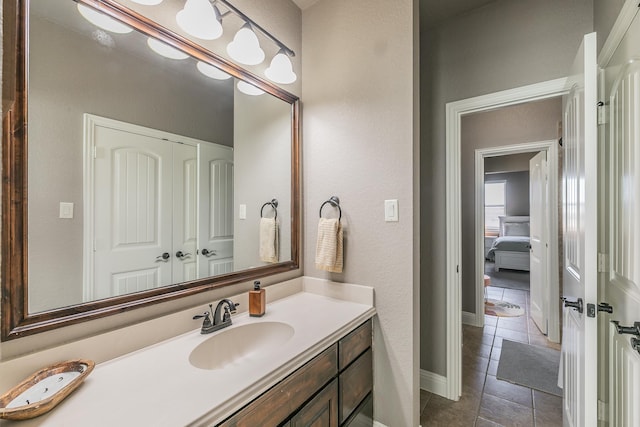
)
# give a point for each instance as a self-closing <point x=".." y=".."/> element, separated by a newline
<point x="322" y="411"/>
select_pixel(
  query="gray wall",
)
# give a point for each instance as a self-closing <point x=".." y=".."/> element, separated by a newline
<point x="359" y="137"/>
<point x="517" y="191"/>
<point x="605" y="13"/>
<point x="71" y="75"/>
<point x="509" y="163"/>
<point x="506" y="44"/>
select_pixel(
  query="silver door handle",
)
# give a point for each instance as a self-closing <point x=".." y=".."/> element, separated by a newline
<point x="206" y="252"/>
<point x="180" y="255"/>
<point x="164" y="257"/>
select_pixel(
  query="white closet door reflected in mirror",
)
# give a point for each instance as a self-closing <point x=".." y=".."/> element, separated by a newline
<point x="159" y="208"/>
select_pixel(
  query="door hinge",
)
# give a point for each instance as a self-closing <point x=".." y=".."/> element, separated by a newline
<point x="603" y="411"/>
<point x="603" y="263"/>
<point x="603" y="114"/>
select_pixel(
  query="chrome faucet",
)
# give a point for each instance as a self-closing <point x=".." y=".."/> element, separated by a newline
<point x="219" y="321"/>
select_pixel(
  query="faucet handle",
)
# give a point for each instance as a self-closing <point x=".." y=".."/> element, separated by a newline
<point x="232" y="307"/>
<point x="207" y="319"/>
<point x="226" y="317"/>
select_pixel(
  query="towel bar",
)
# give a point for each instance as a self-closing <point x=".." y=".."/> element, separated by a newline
<point x="335" y="202"/>
<point x="274" y="205"/>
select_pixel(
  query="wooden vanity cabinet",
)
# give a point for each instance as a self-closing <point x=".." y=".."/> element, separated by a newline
<point x="333" y="389"/>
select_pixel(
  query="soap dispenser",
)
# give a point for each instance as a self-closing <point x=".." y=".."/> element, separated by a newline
<point x="257" y="300"/>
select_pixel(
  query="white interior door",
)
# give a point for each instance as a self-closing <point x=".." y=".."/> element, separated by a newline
<point x="132" y="213"/>
<point x="580" y="238"/>
<point x="185" y="212"/>
<point x="538" y="207"/>
<point x="215" y="252"/>
<point x="622" y="225"/>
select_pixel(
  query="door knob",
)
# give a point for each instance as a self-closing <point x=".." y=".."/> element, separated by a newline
<point x="632" y="330"/>
<point x="181" y="255"/>
<point x="576" y="305"/>
<point x="206" y="252"/>
<point x="164" y="257"/>
<point x="603" y="306"/>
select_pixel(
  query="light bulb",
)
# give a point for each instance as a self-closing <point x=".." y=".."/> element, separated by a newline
<point x="165" y="50"/>
<point x="248" y="89"/>
<point x="103" y="21"/>
<point x="245" y="47"/>
<point x="281" y="70"/>
<point x="211" y="71"/>
<point x="147" y="2"/>
<point x="200" y="19"/>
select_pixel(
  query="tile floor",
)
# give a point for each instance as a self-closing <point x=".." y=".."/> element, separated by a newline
<point x="487" y="401"/>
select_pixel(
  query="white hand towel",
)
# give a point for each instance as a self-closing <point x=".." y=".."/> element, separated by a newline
<point x="268" y="240"/>
<point x="329" y="256"/>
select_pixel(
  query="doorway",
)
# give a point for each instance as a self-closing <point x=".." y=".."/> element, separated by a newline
<point x="455" y="111"/>
<point x="510" y="251"/>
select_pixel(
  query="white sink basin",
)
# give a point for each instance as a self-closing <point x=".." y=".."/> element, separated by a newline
<point x="240" y="344"/>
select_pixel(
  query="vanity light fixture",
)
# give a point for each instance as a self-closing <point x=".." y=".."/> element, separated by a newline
<point x="165" y="50"/>
<point x="103" y="21"/>
<point x="200" y="19"/>
<point x="211" y="71"/>
<point x="249" y="89"/>
<point x="245" y="47"/>
<point x="281" y="70"/>
<point x="203" y="19"/>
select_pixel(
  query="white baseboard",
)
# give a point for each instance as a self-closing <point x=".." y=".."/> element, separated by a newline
<point x="433" y="383"/>
<point x="470" y="319"/>
<point x="378" y="424"/>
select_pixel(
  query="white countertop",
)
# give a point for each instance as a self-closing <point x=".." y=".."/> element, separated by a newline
<point x="158" y="386"/>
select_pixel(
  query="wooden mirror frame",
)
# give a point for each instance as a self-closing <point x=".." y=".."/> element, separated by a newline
<point x="15" y="318"/>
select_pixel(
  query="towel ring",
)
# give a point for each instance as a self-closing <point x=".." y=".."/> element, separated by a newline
<point x="274" y="205"/>
<point x="335" y="202"/>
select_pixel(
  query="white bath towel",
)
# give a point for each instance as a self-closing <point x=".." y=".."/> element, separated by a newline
<point x="329" y="256"/>
<point x="268" y="240"/>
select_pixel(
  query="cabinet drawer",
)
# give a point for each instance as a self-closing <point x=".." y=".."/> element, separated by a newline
<point x="275" y="406"/>
<point x="322" y="411"/>
<point x="354" y="344"/>
<point x="356" y="382"/>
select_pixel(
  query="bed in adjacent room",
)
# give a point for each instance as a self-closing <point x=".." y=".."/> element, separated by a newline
<point x="511" y="248"/>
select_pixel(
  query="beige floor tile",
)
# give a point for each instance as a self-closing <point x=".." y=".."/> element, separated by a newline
<point x="490" y="320"/>
<point x="495" y="353"/>
<point x="443" y="412"/>
<point x="504" y="412"/>
<point x="481" y="422"/>
<point x="547" y="409"/>
<point x="493" y="367"/>
<point x="508" y="391"/>
<point x="473" y="362"/>
<point x="424" y="399"/>
<point x="473" y="380"/>
<point x="512" y="335"/>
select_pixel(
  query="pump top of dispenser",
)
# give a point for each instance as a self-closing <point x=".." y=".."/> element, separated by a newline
<point x="256" y="285"/>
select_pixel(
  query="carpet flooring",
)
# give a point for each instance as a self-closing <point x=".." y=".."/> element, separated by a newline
<point x="530" y="365"/>
<point x="510" y="279"/>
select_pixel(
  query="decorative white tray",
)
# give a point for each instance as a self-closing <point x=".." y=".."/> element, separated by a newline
<point x="43" y="390"/>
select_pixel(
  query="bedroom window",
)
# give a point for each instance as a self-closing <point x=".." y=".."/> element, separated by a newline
<point x="494" y="206"/>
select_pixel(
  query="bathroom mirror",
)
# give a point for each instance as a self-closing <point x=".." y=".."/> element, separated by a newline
<point x="146" y="177"/>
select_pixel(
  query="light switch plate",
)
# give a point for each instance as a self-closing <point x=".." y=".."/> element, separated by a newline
<point x="242" y="212"/>
<point x="391" y="210"/>
<point x="66" y="210"/>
